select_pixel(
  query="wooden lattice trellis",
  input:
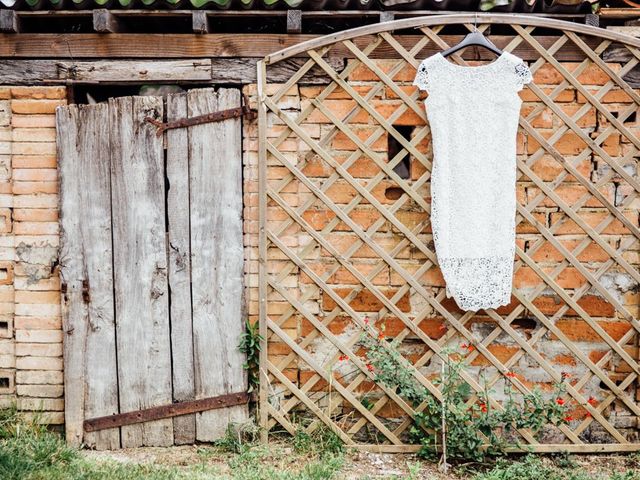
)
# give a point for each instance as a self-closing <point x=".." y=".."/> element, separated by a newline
<point x="318" y="290"/>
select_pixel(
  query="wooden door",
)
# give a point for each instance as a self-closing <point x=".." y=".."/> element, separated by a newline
<point x="152" y="266"/>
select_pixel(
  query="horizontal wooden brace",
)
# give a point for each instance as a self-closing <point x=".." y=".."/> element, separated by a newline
<point x="165" y="411"/>
<point x="66" y="47"/>
<point x="540" y="448"/>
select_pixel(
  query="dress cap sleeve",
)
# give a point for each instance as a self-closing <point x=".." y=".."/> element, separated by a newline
<point x="422" y="77"/>
<point x="522" y="72"/>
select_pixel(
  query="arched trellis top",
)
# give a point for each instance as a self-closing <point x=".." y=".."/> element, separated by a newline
<point x="454" y="19"/>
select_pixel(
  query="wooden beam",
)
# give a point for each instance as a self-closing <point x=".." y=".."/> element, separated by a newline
<point x="592" y="19"/>
<point x="217" y="70"/>
<point x="106" y="22"/>
<point x="169" y="46"/>
<point x="9" y="21"/>
<point x="619" y="12"/>
<point x="200" y="21"/>
<point x="386" y="16"/>
<point x="294" y="21"/>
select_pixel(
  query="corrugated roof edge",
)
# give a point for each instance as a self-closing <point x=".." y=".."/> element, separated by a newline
<point x="521" y="6"/>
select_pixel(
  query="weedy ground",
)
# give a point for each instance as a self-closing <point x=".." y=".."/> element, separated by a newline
<point x="28" y="451"/>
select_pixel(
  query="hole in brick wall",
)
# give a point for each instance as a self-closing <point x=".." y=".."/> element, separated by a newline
<point x="393" y="193"/>
<point x="524" y="323"/>
<point x="403" y="168"/>
<point x="605" y="387"/>
<point x="630" y="119"/>
<point x="4" y="382"/>
<point x="4" y="326"/>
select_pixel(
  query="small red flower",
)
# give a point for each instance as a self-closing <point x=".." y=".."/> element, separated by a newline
<point x="442" y="327"/>
<point x="483" y="407"/>
<point x="560" y="401"/>
<point x="568" y="418"/>
<point x="565" y="375"/>
<point x="592" y="401"/>
<point x="471" y="348"/>
<point x="464" y="346"/>
<point x="510" y="374"/>
<point x="342" y="358"/>
<point x="370" y="367"/>
<point x="381" y="336"/>
<point x="588" y="414"/>
<point x="366" y="320"/>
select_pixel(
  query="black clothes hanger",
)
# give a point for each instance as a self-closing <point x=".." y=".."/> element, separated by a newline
<point x="475" y="38"/>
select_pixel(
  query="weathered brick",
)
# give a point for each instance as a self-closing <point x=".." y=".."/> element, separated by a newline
<point x="35" y="106"/>
<point x="39" y="336"/>
<point x="548" y="169"/>
<point x="501" y="352"/>
<point x="593" y="219"/>
<point x="565" y="359"/>
<point x="39" y="323"/>
<point x="35" y="214"/>
<point x="362" y="73"/>
<point x="34" y="161"/>
<point x="38" y="363"/>
<point x="39" y="404"/>
<point x="33" y="135"/>
<point x="33" y="148"/>
<point x="33" y="121"/>
<point x="547" y="253"/>
<point x="45" y="391"/>
<point x="594" y="305"/>
<point x="580" y="331"/>
<point x="39" y="93"/>
<point x="38" y="349"/>
<point x="365" y="300"/>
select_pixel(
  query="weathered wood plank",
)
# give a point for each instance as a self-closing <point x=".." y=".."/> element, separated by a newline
<point x="219" y="70"/>
<point x="105" y="22"/>
<point x="294" y="21"/>
<point x="215" y="172"/>
<point x="200" y="21"/>
<point x="136" y="71"/>
<point x="184" y="428"/>
<point x="91" y="383"/>
<point x="164" y="46"/>
<point x="140" y="266"/>
<point x="9" y="21"/>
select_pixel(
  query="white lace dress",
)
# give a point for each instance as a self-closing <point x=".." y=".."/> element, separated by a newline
<point x="473" y="116"/>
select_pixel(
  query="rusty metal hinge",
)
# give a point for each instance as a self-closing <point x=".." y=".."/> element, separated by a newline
<point x="165" y="411"/>
<point x="242" y="111"/>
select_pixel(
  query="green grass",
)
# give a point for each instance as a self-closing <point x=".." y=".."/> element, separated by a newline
<point x="28" y="451"/>
<point x="534" y="468"/>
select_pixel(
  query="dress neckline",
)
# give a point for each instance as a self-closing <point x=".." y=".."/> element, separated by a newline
<point x="476" y="67"/>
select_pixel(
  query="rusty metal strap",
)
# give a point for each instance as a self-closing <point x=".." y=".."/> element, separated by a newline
<point x="165" y="411"/>
<point x="242" y="111"/>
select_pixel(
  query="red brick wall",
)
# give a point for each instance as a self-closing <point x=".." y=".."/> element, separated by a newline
<point x="619" y="282"/>
<point x="30" y="328"/>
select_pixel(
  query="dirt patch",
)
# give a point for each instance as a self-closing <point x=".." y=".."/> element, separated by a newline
<point x="358" y="465"/>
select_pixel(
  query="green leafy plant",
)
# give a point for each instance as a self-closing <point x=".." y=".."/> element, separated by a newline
<point x="472" y="427"/>
<point x="250" y="346"/>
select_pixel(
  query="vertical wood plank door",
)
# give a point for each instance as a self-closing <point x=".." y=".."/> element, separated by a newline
<point x="152" y="263"/>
